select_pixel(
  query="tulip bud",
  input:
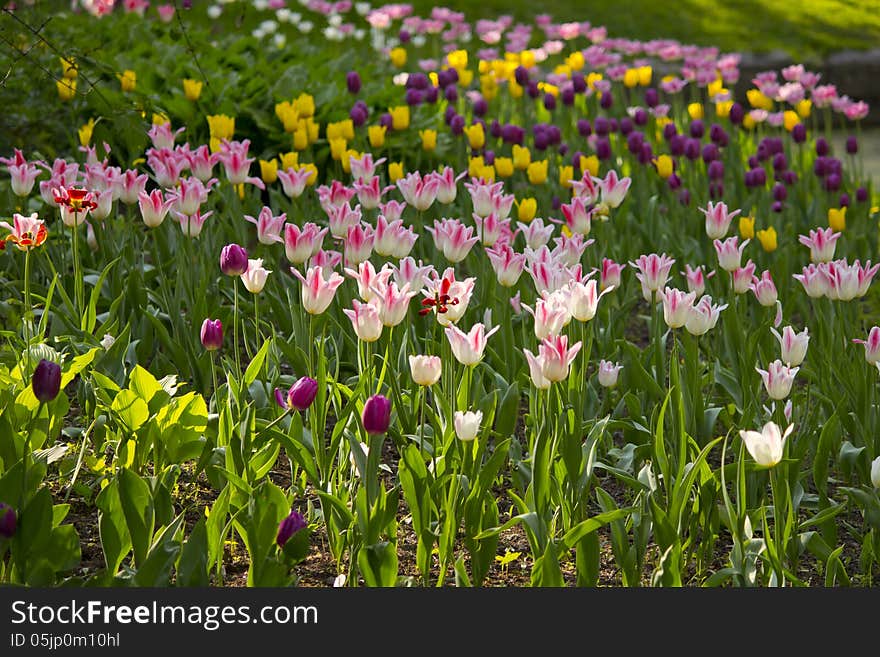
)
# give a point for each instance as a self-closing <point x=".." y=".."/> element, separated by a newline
<point x="233" y="260"/>
<point x="376" y="416"/>
<point x="875" y="472"/>
<point x="212" y="334"/>
<point x="289" y="526"/>
<point x="425" y="370"/>
<point x="46" y="380"/>
<point x="300" y="396"/>
<point x="353" y="82"/>
<point x="8" y="520"/>
<point x="467" y="425"/>
<point x="608" y="373"/>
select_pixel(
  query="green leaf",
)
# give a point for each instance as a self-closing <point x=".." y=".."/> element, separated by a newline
<point x="131" y="410"/>
<point x="576" y="533"/>
<point x="378" y="563"/>
<point x="253" y="369"/>
<point x="115" y="539"/>
<point x="89" y="318"/>
<point x="137" y="505"/>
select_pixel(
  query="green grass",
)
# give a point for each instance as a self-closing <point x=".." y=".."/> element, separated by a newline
<point x="806" y="29"/>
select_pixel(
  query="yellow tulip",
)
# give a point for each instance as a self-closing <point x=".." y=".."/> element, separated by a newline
<point x="526" y="209"/>
<point x="85" y="133"/>
<point x="790" y="119"/>
<point x="537" y="172"/>
<point x="631" y="78"/>
<point x="400" y="117"/>
<point x="516" y="91"/>
<point x="289" y="160"/>
<point x="214" y="144"/>
<point x="645" y="75"/>
<point x="504" y="167"/>
<point x="767" y="238"/>
<point x="398" y="57"/>
<point x="346" y="159"/>
<point x="758" y="100"/>
<point x="747" y="227"/>
<point x="221" y="126"/>
<point x="314" y="171"/>
<point x="566" y="173"/>
<point x="312" y="130"/>
<point x="695" y="111"/>
<point x="476" y="136"/>
<point x="304" y="105"/>
<point x="664" y="166"/>
<point x="66" y="89"/>
<point x="192" y="89"/>
<point x="527" y="58"/>
<point x="128" y="80"/>
<point x="395" y="171"/>
<point x="300" y="140"/>
<point x="487" y="173"/>
<point x="457" y="59"/>
<point x="722" y="108"/>
<point x="269" y="171"/>
<point x="338" y="146"/>
<point x="429" y="139"/>
<point x="804" y="108"/>
<point x="715" y="87"/>
<point x="590" y="164"/>
<point x="475" y="165"/>
<point x="592" y="79"/>
<point x="522" y="157"/>
<point x="575" y="61"/>
<point x="837" y="219"/>
<point x="749" y="122"/>
<point x="68" y="66"/>
<point x="465" y="77"/>
<point x="376" y="135"/>
<point x="160" y="119"/>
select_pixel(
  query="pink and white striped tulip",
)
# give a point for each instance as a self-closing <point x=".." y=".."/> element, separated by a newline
<point x="569" y="250"/>
<point x="391" y="301"/>
<point x="608" y="373"/>
<point x="343" y="218"/>
<point x="201" y="163"/>
<point x="613" y="189"/>
<point x="370" y="193"/>
<point x="358" y="244"/>
<point x="718" y="219"/>
<point x="417" y="191"/>
<point x="365" y="320"/>
<point x="793" y="345"/>
<point x="364" y="167"/>
<point x="254" y="278"/>
<point x="609" y="274"/>
<point x="162" y="137"/>
<point x="578" y="216"/>
<point x="821" y="243"/>
<point x="653" y="273"/>
<point x="742" y="278"/>
<point x="392" y="210"/>
<point x="191" y="224"/>
<point x="483" y="195"/>
<point x="586" y="189"/>
<point x="268" y="226"/>
<point x="317" y="293"/>
<point x="294" y="181"/>
<point x="188" y="196"/>
<point x="233" y="156"/>
<point x="301" y="243"/>
<point x="104" y="201"/>
<point x="550" y="314"/>
<point x="333" y="196"/>
<point x="814" y="279"/>
<point x="536" y="370"/>
<point x="447" y="184"/>
<point x="765" y="289"/>
<point x="536" y="233"/>
<point x="392" y="239"/>
<point x="24" y="176"/>
<point x="468" y="348"/>
<point x="129" y="184"/>
<point x="407" y="272"/>
<point x="557" y="356"/>
<point x="326" y="260"/>
<point x="778" y="379"/>
<point x="507" y="263"/>
<point x="703" y="316"/>
<point x="729" y="254"/>
<point x="453" y="238"/>
<point x="696" y="280"/>
<point x="677" y="306"/>
<point x="872" y="346"/>
<point x="583" y="300"/>
<point x="490" y="228"/>
<point x="368" y="279"/>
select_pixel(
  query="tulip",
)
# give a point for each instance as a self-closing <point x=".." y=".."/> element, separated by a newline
<point x="613" y="189"/>
<point x="608" y="373"/>
<point x="317" y="293"/>
<point x="653" y="272"/>
<point x="26" y="232"/>
<point x="468" y="348"/>
<point x="821" y="243"/>
<point x="449" y="297"/>
<point x="425" y="370"/>
<point x="609" y="274"/>
<point x="212" y="334"/>
<point x="875" y="472"/>
<point x="584" y="301"/>
<point x="233" y="260"/>
<point x="369" y="192"/>
<point x="8" y="520"/>
<point x="536" y="370"/>
<point x="417" y="191"/>
<point x="718" y="220"/>
<point x="359" y="244"/>
<point x="872" y="346"/>
<point x="557" y="356"/>
<point x="696" y="281"/>
<point x="814" y="279"/>
<point x="729" y="254"/>
<point x="192" y="225"/>
<point x="268" y="226"/>
<point x="535" y="233"/>
<point x="766" y="446"/>
<point x="794" y="345"/>
<point x="294" y="181"/>
<point x="365" y="320"/>
<point x="676" y="306"/>
<point x="376" y="416"/>
<point x="703" y="316"/>
<point x="764" y="289"/>
<point x="778" y="379"/>
<point x="300" y="395"/>
<point x="467" y="425"/>
<point x="577" y="216"/>
<point x="551" y="315"/>
<point x="46" y="380"/>
<point x="301" y="243"/>
<point x="254" y="278"/>
<point x="288" y="527"/>
<point x="453" y="238"/>
<point x="507" y="263"/>
<point x="391" y="301"/>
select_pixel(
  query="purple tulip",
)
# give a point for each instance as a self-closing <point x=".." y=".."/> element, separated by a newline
<point x="532" y="89"/>
<point x="716" y="170"/>
<point x="612" y="125"/>
<point x="563" y="149"/>
<point x="233" y="260"/>
<point x="450" y="93"/>
<point x="513" y="134"/>
<point x="833" y="182"/>
<point x="697" y="129"/>
<point x="716" y="190"/>
<point x="822" y="147"/>
<point x="684" y="196"/>
<point x="579" y="84"/>
<point x="418" y="81"/>
<point x="353" y="82"/>
<point x="300" y="396"/>
<point x="710" y="153"/>
<point x="404" y="36"/>
<point x="799" y="133"/>
<point x="716" y="133"/>
<point x="521" y="75"/>
<point x="449" y="114"/>
<point x="431" y="94"/>
<point x="481" y="107"/>
<point x="789" y="177"/>
<point x="290" y="526"/>
<point x="763" y="151"/>
<point x="820" y="166"/>
<point x="646" y="155"/>
<point x="603" y="148"/>
<point x="692" y="149"/>
<point x="495" y="129"/>
<point x="676" y="145"/>
<point x="626" y="126"/>
<point x="634" y="142"/>
<point x="861" y="195"/>
<point x="549" y="101"/>
<point x="606" y="101"/>
<point x="488" y="157"/>
<point x="780" y="162"/>
<point x="542" y="140"/>
<point x="413" y="97"/>
<point x="844" y="200"/>
<point x="780" y="193"/>
<point x="754" y="162"/>
<point x="852" y="145"/>
<point x="568" y="96"/>
<point x="652" y="98"/>
<point x="640" y="117"/>
<point x="601" y="126"/>
<point x="8" y="520"/>
<point x="376" y="416"/>
<point x="457" y="124"/>
<point x="760" y="177"/>
<point x="673" y="181"/>
<point x="46" y="380"/>
<point x="669" y="131"/>
<point x="212" y="334"/>
<point x="387" y="121"/>
<point x="737" y="114"/>
<point x="777" y="206"/>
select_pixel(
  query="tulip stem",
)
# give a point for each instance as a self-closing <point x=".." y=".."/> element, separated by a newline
<point x="214" y="378"/>
<point x="235" y="329"/>
<point x="77" y="279"/>
<point x="28" y="309"/>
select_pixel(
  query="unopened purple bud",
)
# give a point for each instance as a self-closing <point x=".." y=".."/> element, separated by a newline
<point x="233" y="260"/>
<point x="376" y="416"/>
<point x="601" y="126"/>
<point x="353" y="82"/>
<point x="780" y="162"/>
<point x="799" y="133"/>
<point x="640" y="117"/>
<point x="692" y="149"/>
<point x="481" y="107"/>
<point x="673" y="181"/>
<point x="716" y="170"/>
<point x="549" y="101"/>
<point x="521" y="75"/>
<point x="780" y="193"/>
<point x="777" y="206"/>
<point x="737" y="114"/>
<point x="852" y="145"/>
<point x="684" y="196"/>
<point x="413" y="97"/>
<point x="451" y="93"/>
<point x="8" y="520"/>
<point x="697" y="129"/>
<point x="289" y="526"/>
<point x="821" y="147"/>
<point x="861" y="195"/>
<point x="457" y="124"/>
<point x="669" y="131"/>
<point x="716" y="190"/>
<point x="583" y="127"/>
<point x="844" y="200"/>
<point x="606" y="101"/>
<point x="709" y="153"/>
<point x="46" y="380"/>
<point x="833" y="182"/>
<point x="652" y="98"/>
<point x="579" y="84"/>
<point x="603" y="148"/>
<point x="212" y="334"/>
<point x="532" y="89"/>
<point x="404" y="36"/>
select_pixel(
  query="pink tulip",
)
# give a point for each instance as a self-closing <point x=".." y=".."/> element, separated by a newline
<point x="129" y="186"/>
<point x="407" y="272"/>
<point x="391" y="301"/>
<point x="677" y="306"/>
<point x="585" y="189"/>
<point x="742" y="278"/>
<point x="793" y="345"/>
<point x="233" y="157"/>
<point x="392" y="238"/>
<point x="696" y="281"/>
<point x="294" y="181"/>
<point x="490" y="228"/>
<point x="577" y="215"/>
<point x="189" y="195"/>
<point x="866" y="275"/>
<point x="317" y="293"/>
<point x="365" y="320"/>
<point x="583" y="300"/>
<point x="765" y="289"/>
<point x="608" y="373"/>
<point x="729" y="254"/>
<point x="703" y="316"/>
<point x="104" y="204"/>
<point x="557" y="356"/>
<point x="333" y="196"/>
<point x="550" y="314"/>
<point x="613" y="189"/>
<point x="370" y="193"/>
<point x="300" y="244"/>
<point x="843" y="280"/>
<point x="368" y="279"/>
<point x="536" y="233"/>
<point x="326" y="260"/>
<point x="569" y="250"/>
<point x="447" y="185"/>
<point x="191" y="224"/>
<point x="358" y="244"/>
<point x="23" y="174"/>
<point x="254" y="278"/>
<point x="718" y="219"/>
<point x="536" y="370"/>
<point x="417" y="191"/>
<point x="507" y="263"/>
<point x="364" y="167"/>
<point x="872" y="346"/>
<point x="468" y="348"/>
<point x="483" y="195"/>
<point x="268" y="226"/>
<point x="653" y="273"/>
<point x="392" y="210"/>
<point x="458" y="292"/>
<point x="821" y="243"/>
<point x="162" y="137"/>
<point x="814" y="279"/>
<point x="201" y="163"/>
<point x="453" y="238"/>
<point x="609" y="274"/>
<point x="778" y="379"/>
